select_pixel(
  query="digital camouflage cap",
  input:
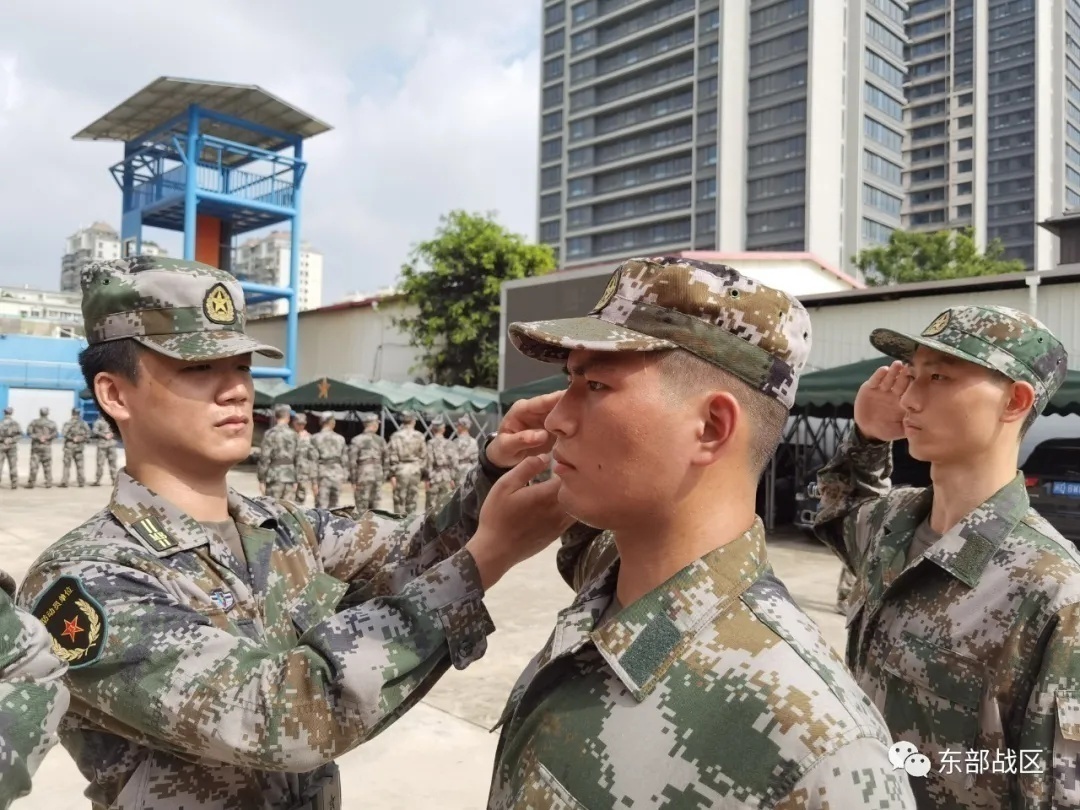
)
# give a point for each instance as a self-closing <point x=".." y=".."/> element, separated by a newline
<point x="184" y="310"/>
<point x="759" y="334"/>
<point x="999" y="338"/>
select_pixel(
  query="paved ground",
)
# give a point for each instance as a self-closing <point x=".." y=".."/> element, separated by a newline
<point x="448" y="731"/>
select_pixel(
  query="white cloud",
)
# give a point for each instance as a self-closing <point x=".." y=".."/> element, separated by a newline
<point x="434" y="106"/>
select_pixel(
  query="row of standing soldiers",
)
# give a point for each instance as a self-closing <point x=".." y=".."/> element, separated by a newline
<point x="292" y="460"/>
<point x="43" y="432"/>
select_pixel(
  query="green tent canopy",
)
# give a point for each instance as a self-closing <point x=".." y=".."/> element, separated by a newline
<point x="266" y="388"/>
<point x="360" y="393"/>
<point x="533" y="389"/>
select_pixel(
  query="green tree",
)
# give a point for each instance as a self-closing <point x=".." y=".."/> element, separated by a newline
<point x="910" y="257"/>
<point x="453" y="279"/>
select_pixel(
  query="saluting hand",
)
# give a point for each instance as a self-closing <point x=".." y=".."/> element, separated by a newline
<point x="521" y="433"/>
<point x="878" y="413"/>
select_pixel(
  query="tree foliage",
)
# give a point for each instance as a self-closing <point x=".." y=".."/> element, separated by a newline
<point x="911" y="257"/>
<point x="453" y="279"/>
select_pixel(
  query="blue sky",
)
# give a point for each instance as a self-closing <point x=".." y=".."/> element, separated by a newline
<point x="434" y="106"/>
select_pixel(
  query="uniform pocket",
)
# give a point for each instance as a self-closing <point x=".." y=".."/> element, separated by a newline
<point x="540" y="789"/>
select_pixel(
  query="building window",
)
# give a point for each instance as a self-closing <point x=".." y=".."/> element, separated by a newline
<point x="707" y="88"/>
<point x="549" y="231"/>
<point x="553" y="69"/>
<point x="777" y="185"/>
<point x="884" y="69"/>
<point x="883" y="36"/>
<point x="577" y="246"/>
<point x="553" y="15"/>
<point x="780" y="116"/>
<point x="707" y="155"/>
<point x="887" y="137"/>
<point x="885" y="169"/>
<point x="551" y="177"/>
<point x="706" y="189"/>
<point x="779" y="219"/>
<point x="881" y="200"/>
<point x="552" y="122"/>
<point x="551" y="150"/>
<point x="554" y="42"/>
<point x="778" y="47"/>
<point x="893" y="10"/>
<point x="775" y="151"/>
<point x="875" y="233"/>
<point x="550" y="204"/>
<point x="710" y="21"/>
<point x="777" y="14"/>
<point x="880" y="100"/>
<point x="706" y="122"/>
<point x="963" y="189"/>
<point x="553" y="96"/>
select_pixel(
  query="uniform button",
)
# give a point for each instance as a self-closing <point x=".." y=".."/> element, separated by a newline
<point x="466" y="648"/>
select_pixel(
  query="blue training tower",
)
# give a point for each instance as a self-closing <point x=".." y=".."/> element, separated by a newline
<point x="213" y="160"/>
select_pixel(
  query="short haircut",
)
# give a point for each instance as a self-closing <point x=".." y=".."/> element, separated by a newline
<point x="687" y="373"/>
<point x="119" y="357"/>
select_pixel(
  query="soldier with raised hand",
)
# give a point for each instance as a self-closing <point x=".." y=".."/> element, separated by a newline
<point x="76" y="435"/>
<point x="466" y="447"/>
<point x="104" y="436"/>
<point x="223" y="651"/>
<point x="964" y="618"/>
<point x="42" y="432"/>
<point x="33" y="698"/>
<point x="276" y="470"/>
<point x="405" y="453"/>
<point x="333" y="459"/>
<point x="10" y="433"/>
<point x="440" y="471"/>
<point x="367" y="463"/>
<point x="307" y="461"/>
<point x="683" y="675"/>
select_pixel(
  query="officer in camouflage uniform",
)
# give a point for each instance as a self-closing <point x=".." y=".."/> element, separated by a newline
<point x="964" y="620"/>
<point x="687" y="678"/>
<point x="440" y="472"/>
<point x="367" y="461"/>
<point x="333" y="459"/>
<point x="105" y="440"/>
<point x="307" y="461"/>
<point x="76" y="435"/>
<point x="405" y="454"/>
<point x="466" y="448"/>
<point x="276" y="470"/>
<point x="32" y="697"/>
<point x="10" y="433"/>
<point x="222" y="658"/>
<point x="43" y="433"/>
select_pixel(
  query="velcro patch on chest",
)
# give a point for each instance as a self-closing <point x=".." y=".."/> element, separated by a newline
<point x="75" y="622"/>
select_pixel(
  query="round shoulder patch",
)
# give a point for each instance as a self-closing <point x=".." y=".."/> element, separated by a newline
<point x="218" y="306"/>
<point x="74" y="620"/>
<point x="939" y="324"/>
<point x="609" y="291"/>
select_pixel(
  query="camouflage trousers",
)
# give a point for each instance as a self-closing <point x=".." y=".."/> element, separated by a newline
<point x="843" y="590"/>
<point x="11" y="454"/>
<point x="40" y="457"/>
<point x="280" y="489"/>
<point x="439" y="491"/>
<point x="73" y="455"/>
<point x="407" y="494"/>
<point x="329" y="491"/>
<point x="301" y="492"/>
<point x="105" y="455"/>
<point x="368" y="493"/>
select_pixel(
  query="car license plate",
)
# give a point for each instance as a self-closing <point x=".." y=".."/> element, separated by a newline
<point x="1070" y="489"/>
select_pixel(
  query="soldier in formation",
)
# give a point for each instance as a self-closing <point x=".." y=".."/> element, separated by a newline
<point x="465" y="447"/>
<point x="224" y="651"/>
<point x="964" y="616"/>
<point x="276" y="470"/>
<point x="43" y="433"/>
<point x="105" y="440"/>
<point x="406" y="454"/>
<point x="307" y="461"/>
<point x="441" y="470"/>
<point x="32" y="697"/>
<point x="76" y="435"/>
<point x="683" y="674"/>
<point x="333" y="460"/>
<point x="368" y="463"/>
<point x="10" y="433"/>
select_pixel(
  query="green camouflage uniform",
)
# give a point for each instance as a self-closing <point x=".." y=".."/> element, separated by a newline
<point x="106" y="450"/>
<point x="333" y="456"/>
<point x="10" y="433"/>
<point x="32" y="696"/>
<point x="76" y="435"/>
<point x="367" y="461"/>
<point x="43" y="433"/>
<point x="466" y="449"/>
<point x="405" y="454"/>
<point x="199" y="680"/>
<point x="441" y="468"/>
<point x="277" y="461"/>
<point x="971" y="651"/>
<point x="714" y="689"/>
<point x="307" y="465"/>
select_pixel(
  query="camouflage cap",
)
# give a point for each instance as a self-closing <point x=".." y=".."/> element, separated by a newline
<point x="75" y="412"/>
<point x="184" y="310"/>
<point x="999" y="338"/>
<point x="408" y="416"/>
<point x="367" y="417"/>
<point x="281" y="411"/>
<point x="757" y="333"/>
<point x="438" y="420"/>
<point x="300" y="418"/>
<point x="464" y="421"/>
<point x="44" y="412"/>
<point x="327" y="416"/>
<point x="8" y="411"/>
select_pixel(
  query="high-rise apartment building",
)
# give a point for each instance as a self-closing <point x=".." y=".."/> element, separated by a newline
<point x="761" y="125"/>
<point x="99" y="242"/>
<point x="265" y="260"/>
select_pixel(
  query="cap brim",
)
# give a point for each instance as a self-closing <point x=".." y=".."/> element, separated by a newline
<point x="552" y="341"/>
<point x="195" y="346"/>
<point x="903" y="347"/>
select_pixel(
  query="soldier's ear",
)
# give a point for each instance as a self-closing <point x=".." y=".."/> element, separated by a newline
<point x="1021" y="399"/>
<point x="111" y="392"/>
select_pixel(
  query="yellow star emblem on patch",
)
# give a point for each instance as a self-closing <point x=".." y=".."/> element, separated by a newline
<point x="218" y="305"/>
<point x="324" y="388"/>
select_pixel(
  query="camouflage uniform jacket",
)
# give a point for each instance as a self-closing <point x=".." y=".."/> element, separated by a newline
<point x="76" y="431"/>
<point x="974" y="647"/>
<point x="713" y="690"/>
<point x="367" y="457"/>
<point x="42" y="431"/>
<point x="103" y="434"/>
<point x="10" y="432"/>
<point x="442" y="461"/>
<point x="223" y="685"/>
<point x="32" y="697"/>
<point x="331" y="452"/>
<point x="406" y="453"/>
<point x="307" y="459"/>
<point x="277" y="456"/>
<point x="467" y="449"/>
